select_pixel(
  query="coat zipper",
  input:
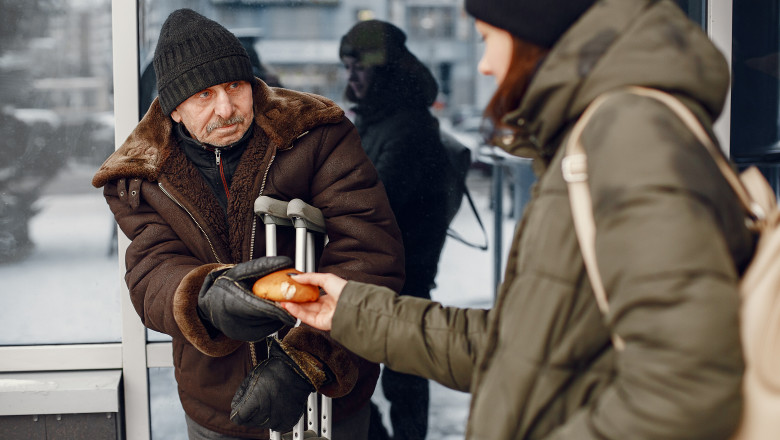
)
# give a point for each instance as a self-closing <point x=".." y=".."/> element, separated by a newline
<point x="218" y="156"/>
<point x="254" y="221"/>
<point x="252" y="349"/>
<point x="211" y="245"/>
<point x="253" y="354"/>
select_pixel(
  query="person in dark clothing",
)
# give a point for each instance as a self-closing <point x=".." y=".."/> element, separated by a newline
<point x="393" y="91"/>
<point x="182" y="188"/>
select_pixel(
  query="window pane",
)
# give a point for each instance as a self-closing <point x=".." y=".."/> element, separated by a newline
<point x="57" y="254"/>
<point x="164" y="407"/>
<point x="696" y="10"/>
<point x="431" y="22"/>
<point x="297" y="42"/>
<point x="755" y="107"/>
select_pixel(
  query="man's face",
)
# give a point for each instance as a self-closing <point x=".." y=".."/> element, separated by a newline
<point x="358" y="76"/>
<point x="218" y="115"/>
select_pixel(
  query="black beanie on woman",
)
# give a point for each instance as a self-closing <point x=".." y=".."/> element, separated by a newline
<point x="541" y="22"/>
<point x="194" y="53"/>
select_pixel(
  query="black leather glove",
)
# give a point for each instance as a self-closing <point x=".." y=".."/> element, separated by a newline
<point x="227" y="303"/>
<point x="274" y="395"/>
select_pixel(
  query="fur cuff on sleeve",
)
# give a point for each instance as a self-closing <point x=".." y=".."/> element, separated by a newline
<point x="185" y="312"/>
<point x="313" y="369"/>
<point x="342" y="364"/>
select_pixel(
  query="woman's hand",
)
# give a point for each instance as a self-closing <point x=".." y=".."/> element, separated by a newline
<point x="318" y="314"/>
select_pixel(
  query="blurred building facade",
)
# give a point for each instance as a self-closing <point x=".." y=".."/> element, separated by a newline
<point x="299" y="40"/>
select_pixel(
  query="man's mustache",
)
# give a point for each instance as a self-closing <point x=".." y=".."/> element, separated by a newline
<point x="219" y="123"/>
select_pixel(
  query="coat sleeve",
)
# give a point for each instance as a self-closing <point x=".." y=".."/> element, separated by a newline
<point x="364" y="242"/>
<point x="411" y="335"/>
<point x="665" y="223"/>
<point x="163" y="276"/>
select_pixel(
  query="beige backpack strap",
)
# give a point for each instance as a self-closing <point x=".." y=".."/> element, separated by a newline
<point x="751" y="187"/>
<point x="575" y="172"/>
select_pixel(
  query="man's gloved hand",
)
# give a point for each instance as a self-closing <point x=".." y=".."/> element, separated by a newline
<point x="227" y="303"/>
<point x="274" y="395"/>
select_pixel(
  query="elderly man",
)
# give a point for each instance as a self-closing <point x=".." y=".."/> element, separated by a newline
<point x="182" y="188"/>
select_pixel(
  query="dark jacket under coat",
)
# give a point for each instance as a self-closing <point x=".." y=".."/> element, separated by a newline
<point x="302" y="147"/>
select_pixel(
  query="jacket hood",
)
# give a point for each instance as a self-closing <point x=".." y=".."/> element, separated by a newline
<point x="617" y="43"/>
<point x="400" y="79"/>
<point x="403" y="84"/>
<point x="283" y="115"/>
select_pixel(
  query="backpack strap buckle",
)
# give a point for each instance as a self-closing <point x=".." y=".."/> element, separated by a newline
<point x="575" y="168"/>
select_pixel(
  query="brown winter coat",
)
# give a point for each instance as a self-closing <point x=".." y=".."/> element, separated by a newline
<point x="670" y="242"/>
<point x="302" y="147"/>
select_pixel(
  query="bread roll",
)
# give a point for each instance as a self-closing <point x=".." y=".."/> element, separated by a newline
<point x="279" y="286"/>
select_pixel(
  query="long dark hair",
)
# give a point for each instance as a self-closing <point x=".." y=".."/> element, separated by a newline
<point x="522" y="67"/>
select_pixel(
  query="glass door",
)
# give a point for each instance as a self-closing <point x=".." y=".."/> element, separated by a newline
<point x="696" y="10"/>
<point x="755" y="131"/>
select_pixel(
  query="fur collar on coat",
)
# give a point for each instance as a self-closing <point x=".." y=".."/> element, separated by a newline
<point x="282" y="115"/>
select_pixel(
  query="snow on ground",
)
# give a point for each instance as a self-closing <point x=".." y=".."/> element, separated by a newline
<point x="67" y="290"/>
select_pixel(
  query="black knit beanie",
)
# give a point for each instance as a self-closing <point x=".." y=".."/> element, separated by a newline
<point x="374" y="43"/>
<point x="541" y="22"/>
<point x="400" y="74"/>
<point x="194" y="53"/>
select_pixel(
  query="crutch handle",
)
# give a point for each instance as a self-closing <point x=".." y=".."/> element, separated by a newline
<point x="272" y="211"/>
<point x="299" y="211"/>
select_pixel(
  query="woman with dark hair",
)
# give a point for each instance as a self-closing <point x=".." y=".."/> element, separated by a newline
<point x="393" y="91"/>
<point x="670" y="239"/>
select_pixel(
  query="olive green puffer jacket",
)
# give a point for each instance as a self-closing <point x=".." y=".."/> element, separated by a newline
<point x="670" y="243"/>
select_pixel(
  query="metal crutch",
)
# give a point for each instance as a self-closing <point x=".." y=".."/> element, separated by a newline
<point x="308" y="220"/>
<point x="273" y="212"/>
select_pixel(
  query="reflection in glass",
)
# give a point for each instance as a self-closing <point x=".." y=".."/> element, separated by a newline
<point x="696" y="10"/>
<point x="153" y="336"/>
<point x="57" y="258"/>
<point x="165" y="409"/>
<point x="755" y="108"/>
